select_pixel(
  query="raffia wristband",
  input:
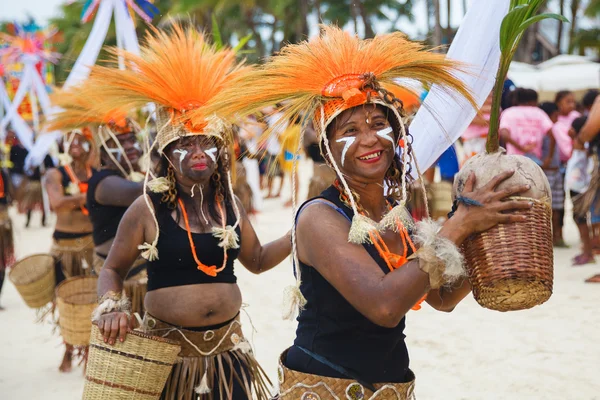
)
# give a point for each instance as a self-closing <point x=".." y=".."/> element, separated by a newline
<point x="111" y="302"/>
<point x="431" y="265"/>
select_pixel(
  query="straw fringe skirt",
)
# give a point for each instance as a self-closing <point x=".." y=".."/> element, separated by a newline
<point x="135" y="286"/>
<point x="322" y="178"/>
<point x="206" y="366"/>
<point x="75" y="255"/>
<point x="294" y="385"/>
<point x="7" y="244"/>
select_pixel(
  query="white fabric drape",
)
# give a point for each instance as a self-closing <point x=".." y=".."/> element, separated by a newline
<point x="443" y="117"/>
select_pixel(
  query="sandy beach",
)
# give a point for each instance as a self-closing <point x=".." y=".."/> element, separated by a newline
<point x="549" y="352"/>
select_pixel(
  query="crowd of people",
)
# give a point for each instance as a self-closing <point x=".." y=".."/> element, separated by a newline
<point x="550" y="133"/>
<point x="157" y="214"/>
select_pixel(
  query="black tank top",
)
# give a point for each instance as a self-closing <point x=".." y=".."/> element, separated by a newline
<point x="176" y="265"/>
<point x="330" y="327"/>
<point x="66" y="179"/>
<point x="105" y="219"/>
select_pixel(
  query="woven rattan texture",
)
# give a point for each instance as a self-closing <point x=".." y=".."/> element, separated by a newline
<point x="135" y="369"/>
<point x="511" y="266"/>
<point x="76" y="299"/>
<point x="34" y="278"/>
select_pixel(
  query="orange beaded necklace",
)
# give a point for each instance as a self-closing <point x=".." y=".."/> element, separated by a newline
<point x="211" y="270"/>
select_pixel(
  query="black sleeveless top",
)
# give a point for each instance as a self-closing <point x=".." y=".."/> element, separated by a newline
<point x="330" y="327"/>
<point x="105" y="219"/>
<point x="176" y="265"/>
<point x="66" y="179"/>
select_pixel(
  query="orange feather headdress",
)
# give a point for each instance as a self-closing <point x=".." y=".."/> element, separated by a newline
<point x="180" y="72"/>
<point x="78" y="107"/>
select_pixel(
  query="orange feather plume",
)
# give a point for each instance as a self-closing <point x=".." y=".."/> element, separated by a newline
<point x="78" y="107"/>
<point x="178" y="70"/>
<point x="333" y="66"/>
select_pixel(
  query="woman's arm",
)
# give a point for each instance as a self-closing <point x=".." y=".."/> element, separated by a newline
<point x="55" y="190"/>
<point x="118" y="191"/>
<point x="133" y="229"/>
<point x="259" y="258"/>
<point x="446" y="298"/>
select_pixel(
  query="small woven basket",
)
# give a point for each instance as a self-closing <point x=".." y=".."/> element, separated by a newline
<point x="35" y="280"/>
<point x="441" y="199"/>
<point x="76" y="299"/>
<point x="136" y="369"/>
<point x="511" y="266"/>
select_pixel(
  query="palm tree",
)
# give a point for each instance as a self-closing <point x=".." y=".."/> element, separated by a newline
<point x="575" y="5"/>
<point x="560" y="26"/>
<point x="437" y="37"/>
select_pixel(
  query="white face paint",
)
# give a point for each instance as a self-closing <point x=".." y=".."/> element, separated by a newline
<point x="86" y="147"/>
<point x="387" y="135"/>
<point x="348" y="141"/>
<point x="116" y="153"/>
<point x="182" y="154"/>
<point x="212" y="153"/>
<point x="137" y="146"/>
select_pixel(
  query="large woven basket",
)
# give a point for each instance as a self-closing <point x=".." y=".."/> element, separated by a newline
<point x="76" y="299"/>
<point x="34" y="278"/>
<point x="136" y="369"/>
<point x="440" y="203"/>
<point x="511" y="266"/>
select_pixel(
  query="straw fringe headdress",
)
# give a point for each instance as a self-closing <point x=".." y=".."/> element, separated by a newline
<point x="334" y="72"/>
<point x="180" y="72"/>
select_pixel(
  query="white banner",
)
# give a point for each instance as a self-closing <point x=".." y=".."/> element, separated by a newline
<point x="93" y="44"/>
<point x="443" y="117"/>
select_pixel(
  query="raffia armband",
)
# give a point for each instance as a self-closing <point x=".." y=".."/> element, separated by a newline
<point x="111" y="302"/>
<point x="438" y="256"/>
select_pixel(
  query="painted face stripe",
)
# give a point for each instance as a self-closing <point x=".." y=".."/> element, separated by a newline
<point x="182" y="153"/>
<point x="212" y="153"/>
<point x="386" y="134"/>
<point x="349" y="141"/>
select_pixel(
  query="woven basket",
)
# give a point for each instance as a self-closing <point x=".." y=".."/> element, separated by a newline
<point x="76" y="299"/>
<point x="34" y="278"/>
<point x="441" y="199"/>
<point x="136" y="369"/>
<point x="511" y="266"/>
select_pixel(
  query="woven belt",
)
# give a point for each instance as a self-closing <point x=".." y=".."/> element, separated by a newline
<point x="294" y="385"/>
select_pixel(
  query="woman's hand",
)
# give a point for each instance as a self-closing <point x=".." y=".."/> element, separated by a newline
<point x="495" y="208"/>
<point x="113" y="325"/>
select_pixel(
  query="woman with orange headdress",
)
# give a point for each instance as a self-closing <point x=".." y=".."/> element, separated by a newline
<point x="110" y="190"/>
<point x="190" y="227"/>
<point x="360" y="263"/>
<point x="66" y="185"/>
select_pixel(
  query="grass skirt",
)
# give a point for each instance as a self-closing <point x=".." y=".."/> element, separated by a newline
<point x="205" y="368"/>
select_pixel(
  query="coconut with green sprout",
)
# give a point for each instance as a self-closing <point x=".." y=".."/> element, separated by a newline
<point x="511" y="265"/>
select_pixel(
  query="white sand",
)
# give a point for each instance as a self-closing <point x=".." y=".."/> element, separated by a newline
<point x="549" y="352"/>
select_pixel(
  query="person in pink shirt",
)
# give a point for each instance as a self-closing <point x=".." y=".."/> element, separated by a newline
<point x="565" y="100"/>
<point x="475" y="136"/>
<point x="524" y="126"/>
